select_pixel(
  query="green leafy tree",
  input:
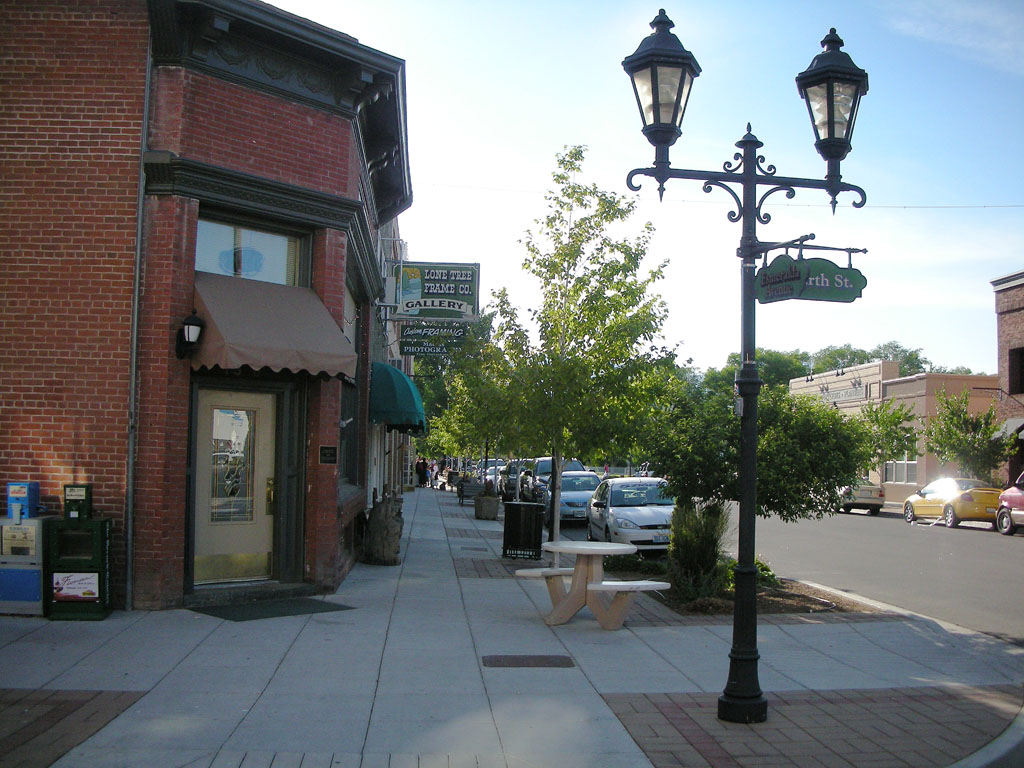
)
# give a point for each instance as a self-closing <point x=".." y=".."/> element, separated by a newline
<point x="891" y="431"/>
<point x="833" y="358"/>
<point x="911" y="360"/>
<point x="775" y="368"/>
<point x="807" y="450"/>
<point x="972" y="441"/>
<point x="591" y="375"/>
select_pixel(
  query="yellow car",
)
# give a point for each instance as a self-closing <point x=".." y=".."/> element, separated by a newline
<point x="954" y="499"/>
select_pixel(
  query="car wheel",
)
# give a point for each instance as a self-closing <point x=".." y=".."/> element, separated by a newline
<point x="949" y="514"/>
<point x="1004" y="523"/>
<point x="874" y="510"/>
<point x="607" y="533"/>
<point x="908" y="512"/>
<point x="590" y="531"/>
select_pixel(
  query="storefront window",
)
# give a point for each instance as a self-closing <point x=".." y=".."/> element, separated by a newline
<point x="239" y="251"/>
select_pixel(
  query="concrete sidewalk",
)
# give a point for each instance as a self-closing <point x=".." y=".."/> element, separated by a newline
<point x="445" y="661"/>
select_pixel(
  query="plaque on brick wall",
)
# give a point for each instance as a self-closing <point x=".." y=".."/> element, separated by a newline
<point x="328" y="454"/>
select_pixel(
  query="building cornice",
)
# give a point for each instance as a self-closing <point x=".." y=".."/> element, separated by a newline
<point x="168" y="174"/>
<point x="267" y="49"/>
<point x="1013" y="280"/>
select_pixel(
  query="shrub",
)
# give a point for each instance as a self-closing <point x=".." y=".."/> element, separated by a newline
<point x="695" y="565"/>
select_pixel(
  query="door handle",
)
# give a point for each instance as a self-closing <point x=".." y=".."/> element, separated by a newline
<point x="270" y="496"/>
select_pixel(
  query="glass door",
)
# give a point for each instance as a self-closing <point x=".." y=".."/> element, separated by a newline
<point x="234" y="486"/>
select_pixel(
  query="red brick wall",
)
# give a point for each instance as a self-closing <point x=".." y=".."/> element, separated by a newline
<point x="323" y="526"/>
<point x="200" y="117"/>
<point x="160" y="487"/>
<point x="72" y="84"/>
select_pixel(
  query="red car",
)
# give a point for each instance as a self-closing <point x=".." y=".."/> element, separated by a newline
<point x="1011" y="508"/>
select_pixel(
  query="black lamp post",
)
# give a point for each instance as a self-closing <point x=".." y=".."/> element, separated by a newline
<point x="662" y="72"/>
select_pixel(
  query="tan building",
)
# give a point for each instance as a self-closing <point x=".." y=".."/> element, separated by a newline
<point x="849" y="389"/>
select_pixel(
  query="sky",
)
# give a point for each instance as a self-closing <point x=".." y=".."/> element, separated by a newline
<point x="495" y="90"/>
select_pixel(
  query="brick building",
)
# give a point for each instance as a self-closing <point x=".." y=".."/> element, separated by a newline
<point x="1009" y="295"/>
<point x="221" y="156"/>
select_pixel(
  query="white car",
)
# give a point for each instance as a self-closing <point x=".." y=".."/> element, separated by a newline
<point x="864" y="495"/>
<point x="631" y="510"/>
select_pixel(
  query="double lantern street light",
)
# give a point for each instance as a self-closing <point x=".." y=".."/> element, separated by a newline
<point x="662" y="71"/>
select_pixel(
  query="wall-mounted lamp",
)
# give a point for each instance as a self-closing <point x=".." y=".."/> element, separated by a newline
<point x="188" y="335"/>
<point x="345" y="422"/>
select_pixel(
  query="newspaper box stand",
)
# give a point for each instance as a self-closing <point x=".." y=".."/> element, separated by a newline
<point x="78" y="569"/>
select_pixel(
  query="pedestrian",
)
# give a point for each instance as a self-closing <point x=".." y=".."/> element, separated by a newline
<point x="433" y="472"/>
<point x="421" y="471"/>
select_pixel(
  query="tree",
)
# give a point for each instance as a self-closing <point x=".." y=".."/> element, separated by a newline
<point x="775" y="368"/>
<point x="834" y="358"/>
<point x="592" y="373"/>
<point x="890" y="431"/>
<point x="970" y="440"/>
<point x="807" y="451"/>
<point x="911" y="361"/>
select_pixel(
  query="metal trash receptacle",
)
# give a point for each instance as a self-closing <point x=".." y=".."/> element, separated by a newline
<point x="524" y="529"/>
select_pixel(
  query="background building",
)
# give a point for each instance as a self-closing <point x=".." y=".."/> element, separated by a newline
<point x="227" y="158"/>
<point x="849" y="389"/>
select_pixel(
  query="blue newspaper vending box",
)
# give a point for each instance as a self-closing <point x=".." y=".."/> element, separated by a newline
<point x="23" y="499"/>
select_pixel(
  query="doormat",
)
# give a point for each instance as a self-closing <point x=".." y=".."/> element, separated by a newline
<point x="270" y="609"/>
<point x="523" y="661"/>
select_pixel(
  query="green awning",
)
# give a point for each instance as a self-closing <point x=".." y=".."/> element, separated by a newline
<point x="395" y="401"/>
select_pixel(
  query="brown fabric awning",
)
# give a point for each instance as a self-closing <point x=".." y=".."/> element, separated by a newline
<point x="265" y="325"/>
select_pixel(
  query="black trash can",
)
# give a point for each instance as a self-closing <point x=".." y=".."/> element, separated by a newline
<point x="524" y="529"/>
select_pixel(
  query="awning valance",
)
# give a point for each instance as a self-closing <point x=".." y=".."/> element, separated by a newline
<point x="394" y="400"/>
<point x="265" y="325"/>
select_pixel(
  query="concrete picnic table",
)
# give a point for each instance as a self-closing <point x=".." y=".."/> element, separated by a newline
<point x="588" y="587"/>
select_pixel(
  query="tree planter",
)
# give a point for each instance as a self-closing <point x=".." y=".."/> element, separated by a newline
<point x="485" y="507"/>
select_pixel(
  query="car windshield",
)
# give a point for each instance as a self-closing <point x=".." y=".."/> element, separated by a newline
<point x="639" y="496"/>
<point x="570" y="465"/>
<point x="966" y="485"/>
<point x="585" y="483"/>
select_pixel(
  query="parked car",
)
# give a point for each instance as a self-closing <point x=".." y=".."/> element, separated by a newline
<point x="482" y="467"/>
<point x="631" y="510"/>
<point x="1010" y="514"/>
<point x="577" y="488"/>
<point x="954" y="499"/>
<point x="536" y="474"/>
<point x="863" y="495"/>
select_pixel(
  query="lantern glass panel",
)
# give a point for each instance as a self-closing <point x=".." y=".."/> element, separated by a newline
<point x="192" y="332"/>
<point x="817" y="102"/>
<point x="687" y="83"/>
<point x="842" y="105"/>
<point x="644" y="94"/>
<point x="668" y="93"/>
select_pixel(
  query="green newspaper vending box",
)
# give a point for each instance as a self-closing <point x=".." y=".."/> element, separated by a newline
<point x="77" y="579"/>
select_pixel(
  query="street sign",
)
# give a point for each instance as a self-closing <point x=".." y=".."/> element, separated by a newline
<point x="431" y="339"/>
<point x="809" y="279"/>
<point x="428" y="290"/>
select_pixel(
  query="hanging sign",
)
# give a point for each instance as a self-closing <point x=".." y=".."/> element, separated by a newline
<point x="431" y="339"/>
<point x="438" y="291"/>
<point x="810" y="279"/>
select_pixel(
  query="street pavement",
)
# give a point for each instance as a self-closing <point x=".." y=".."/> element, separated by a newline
<point x="445" y="661"/>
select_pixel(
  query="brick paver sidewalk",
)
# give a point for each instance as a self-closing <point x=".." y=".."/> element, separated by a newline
<point x="890" y="728"/>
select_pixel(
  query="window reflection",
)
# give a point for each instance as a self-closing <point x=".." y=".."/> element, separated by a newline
<point x="226" y="249"/>
<point x="231" y="466"/>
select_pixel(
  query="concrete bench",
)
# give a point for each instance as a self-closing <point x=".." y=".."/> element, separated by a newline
<point x="555" y="578"/>
<point x="542" y="573"/>
<point x="622" y="594"/>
